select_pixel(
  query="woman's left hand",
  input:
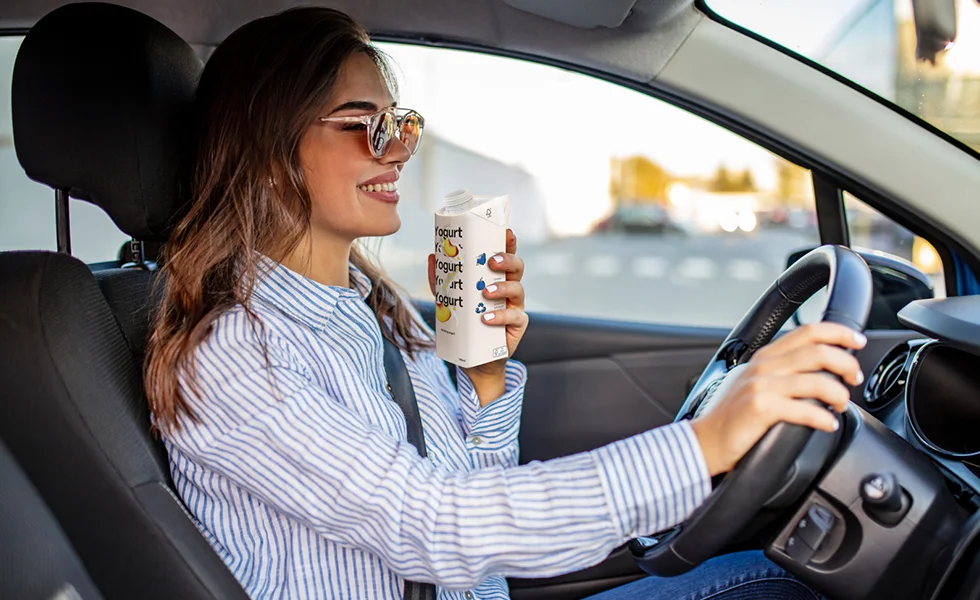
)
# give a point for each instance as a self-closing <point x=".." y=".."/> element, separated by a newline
<point x="513" y="317"/>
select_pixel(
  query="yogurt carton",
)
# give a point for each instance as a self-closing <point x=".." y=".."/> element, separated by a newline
<point x="469" y="231"/>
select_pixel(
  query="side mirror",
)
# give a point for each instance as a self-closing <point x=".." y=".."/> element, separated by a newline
<point x="896" y="283"/>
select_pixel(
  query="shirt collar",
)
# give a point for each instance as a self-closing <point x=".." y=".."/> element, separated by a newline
<point x="302" y="298"/>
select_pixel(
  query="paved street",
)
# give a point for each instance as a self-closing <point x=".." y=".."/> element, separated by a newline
<point x="690" y="280"/>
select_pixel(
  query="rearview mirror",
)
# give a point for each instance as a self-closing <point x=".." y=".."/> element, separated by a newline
<point x="896" y="283"/>
<point x="935" y="27"/>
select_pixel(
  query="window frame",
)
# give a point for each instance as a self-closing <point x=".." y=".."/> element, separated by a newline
<point x="829" y="180"/>
<point x="831" y="200"/>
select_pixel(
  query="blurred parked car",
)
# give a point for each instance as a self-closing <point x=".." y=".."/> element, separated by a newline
<point x="639" y="218"/>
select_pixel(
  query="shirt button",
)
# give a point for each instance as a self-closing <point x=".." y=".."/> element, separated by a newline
<point x="388" y="386"/>
<point x="468" y="595"/>
<point x="477" y="440"/>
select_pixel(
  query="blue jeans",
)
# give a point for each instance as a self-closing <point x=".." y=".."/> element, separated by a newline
<point x="738" y="576"/>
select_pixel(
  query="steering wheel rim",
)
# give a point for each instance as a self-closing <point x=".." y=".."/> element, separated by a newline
<point x="761" y="472"/>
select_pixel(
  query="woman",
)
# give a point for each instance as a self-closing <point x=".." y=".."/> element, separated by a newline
<point x="265" y="377"/>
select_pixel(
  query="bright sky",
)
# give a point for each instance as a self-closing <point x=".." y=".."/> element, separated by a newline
<point x="801" y="25"/>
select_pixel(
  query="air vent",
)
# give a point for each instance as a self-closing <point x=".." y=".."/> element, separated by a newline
<point x="887" y="382"/>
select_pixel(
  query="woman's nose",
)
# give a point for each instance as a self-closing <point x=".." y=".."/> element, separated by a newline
<point x="397" y="154"/>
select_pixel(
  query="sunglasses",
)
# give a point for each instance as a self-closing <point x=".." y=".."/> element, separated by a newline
<point x="386" y="125"/>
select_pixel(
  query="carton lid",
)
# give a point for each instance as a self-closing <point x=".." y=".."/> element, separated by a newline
<point x="457" y="198"/>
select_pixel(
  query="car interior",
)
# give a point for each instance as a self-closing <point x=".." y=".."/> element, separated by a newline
<point x="887" y="507"/>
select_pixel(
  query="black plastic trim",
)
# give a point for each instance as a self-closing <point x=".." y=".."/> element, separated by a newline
<point x="922" y="227"/>
<point x="953" y="321"/>
<point x="831" y="218"/>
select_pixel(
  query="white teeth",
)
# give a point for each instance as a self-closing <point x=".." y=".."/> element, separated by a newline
<point x="379" y="187"/>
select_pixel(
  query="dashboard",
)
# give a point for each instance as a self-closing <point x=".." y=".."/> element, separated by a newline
<point x="896" y="512"/>
<point x="888" y="506"/>
<point x="928" y="390"/>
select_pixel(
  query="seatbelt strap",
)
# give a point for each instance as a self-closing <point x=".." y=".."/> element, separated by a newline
<point x="402" y="392"/>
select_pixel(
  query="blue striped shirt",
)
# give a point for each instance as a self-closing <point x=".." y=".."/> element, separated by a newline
<point x="299" y="472"/>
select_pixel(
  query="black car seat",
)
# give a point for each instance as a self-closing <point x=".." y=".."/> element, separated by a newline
<point x="101" y="102"/>
<point x="37" y="562"/>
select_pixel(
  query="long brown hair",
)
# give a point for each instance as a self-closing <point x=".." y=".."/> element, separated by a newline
<point x="260" y="91"/>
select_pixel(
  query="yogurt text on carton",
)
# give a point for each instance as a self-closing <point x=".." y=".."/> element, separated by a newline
<point x="469" y="231"/>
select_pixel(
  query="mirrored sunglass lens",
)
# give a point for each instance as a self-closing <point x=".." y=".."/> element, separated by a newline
<point x="411" y="132"/>
<point x="381" y="134"/>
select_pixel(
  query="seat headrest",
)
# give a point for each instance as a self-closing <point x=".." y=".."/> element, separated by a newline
<point x="101" y="105"/>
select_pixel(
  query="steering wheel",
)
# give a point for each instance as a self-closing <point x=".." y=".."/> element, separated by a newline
<point x="773" y="466"/>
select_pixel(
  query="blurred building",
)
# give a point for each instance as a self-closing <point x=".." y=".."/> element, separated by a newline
<point x="637" y="180"/>
<point x="441" y="167"/>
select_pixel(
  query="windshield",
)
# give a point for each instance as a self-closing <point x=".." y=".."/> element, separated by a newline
<point x="874" y="44"/>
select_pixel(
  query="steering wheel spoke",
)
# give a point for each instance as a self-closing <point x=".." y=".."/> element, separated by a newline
<point x="714" y="375"/>
<point x="786" y="461"/>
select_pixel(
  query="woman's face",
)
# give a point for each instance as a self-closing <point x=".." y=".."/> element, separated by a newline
<point x="338" y="165"/>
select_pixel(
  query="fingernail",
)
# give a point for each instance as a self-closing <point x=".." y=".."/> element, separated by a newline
<point x="492" y="288"/>
<point x="498" y="259"/>
<point x="860" y="338"/>
<point x="488" y="317"/>
<point x="836" y="424"/>
<point x="860" y="377"/>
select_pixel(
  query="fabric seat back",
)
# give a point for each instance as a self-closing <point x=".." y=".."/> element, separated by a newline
<point x="101" y="103"/>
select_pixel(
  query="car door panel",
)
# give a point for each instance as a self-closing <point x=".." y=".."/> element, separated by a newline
<point x="592" y="382"/>
<point x="578" y="405"/>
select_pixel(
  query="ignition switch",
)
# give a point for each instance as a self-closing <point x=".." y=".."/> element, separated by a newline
<point x="884" y="499"/>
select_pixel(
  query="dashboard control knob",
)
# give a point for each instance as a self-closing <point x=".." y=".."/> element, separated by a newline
<point x="881" y="490"/>
<point x="884" y="499"/>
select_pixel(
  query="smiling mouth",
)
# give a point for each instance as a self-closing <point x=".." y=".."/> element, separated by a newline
<point x="386" y="192"/>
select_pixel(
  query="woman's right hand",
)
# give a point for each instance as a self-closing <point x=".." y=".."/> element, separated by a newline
<point x="770" y="386"/>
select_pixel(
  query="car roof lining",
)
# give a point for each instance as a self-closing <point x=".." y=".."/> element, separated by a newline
<point x="584" y="13"/>
<point x="636" y="49"/>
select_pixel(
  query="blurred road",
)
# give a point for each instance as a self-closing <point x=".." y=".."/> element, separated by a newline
<point x="706" y="280"/>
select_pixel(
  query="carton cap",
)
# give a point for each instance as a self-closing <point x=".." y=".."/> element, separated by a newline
<point x="456" y="198"/>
